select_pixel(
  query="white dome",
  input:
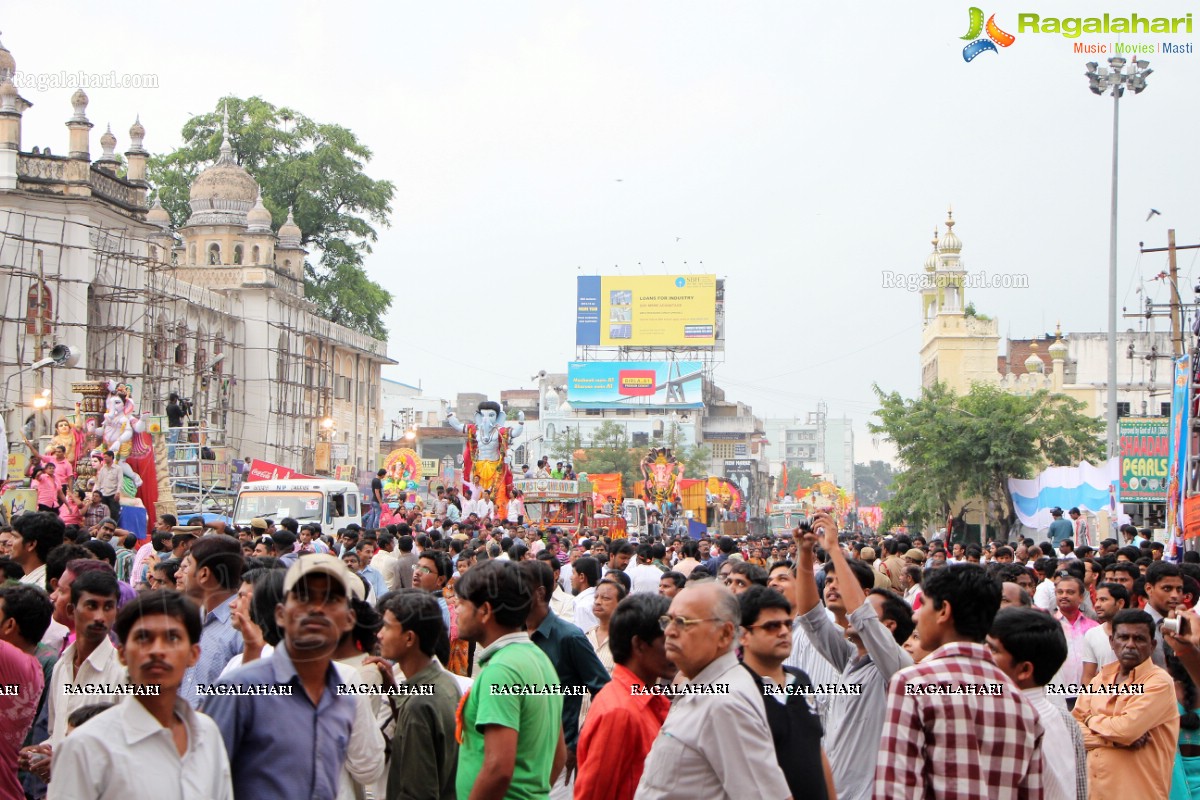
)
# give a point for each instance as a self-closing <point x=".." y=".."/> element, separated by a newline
<point x="158" y="215"/>
<point x="224" y="193"/>
<point x="258" y="219"/>
<point x="289" y="233"/>
<point x="1034" y="363"/>
<point x="949" y="243"/>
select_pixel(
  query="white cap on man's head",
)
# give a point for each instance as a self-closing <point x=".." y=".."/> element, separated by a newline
<point x="324" y="564"/>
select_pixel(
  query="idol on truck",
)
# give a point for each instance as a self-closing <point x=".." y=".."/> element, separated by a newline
<point x="485" y="467"/>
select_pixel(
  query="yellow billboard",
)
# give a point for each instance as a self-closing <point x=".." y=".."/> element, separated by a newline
<point x="647" y="310"/>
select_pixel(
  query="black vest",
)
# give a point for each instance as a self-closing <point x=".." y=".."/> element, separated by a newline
<point x="796" y="731"/>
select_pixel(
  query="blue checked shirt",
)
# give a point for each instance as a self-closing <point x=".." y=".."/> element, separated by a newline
<point x="219" y="642"/>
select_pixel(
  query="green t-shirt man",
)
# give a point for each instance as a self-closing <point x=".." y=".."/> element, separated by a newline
<point x="536" y="717"/>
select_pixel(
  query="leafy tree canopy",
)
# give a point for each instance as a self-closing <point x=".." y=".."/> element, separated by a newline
<point x="873" y="482"/>
<point x="318" y="170"/>
<point x="968" y="446"/>
<point x="798" y="478"/>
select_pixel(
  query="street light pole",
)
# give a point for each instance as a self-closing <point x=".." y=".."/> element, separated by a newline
<point x="1111" y="379"/>
<point x="1101" y="79"/>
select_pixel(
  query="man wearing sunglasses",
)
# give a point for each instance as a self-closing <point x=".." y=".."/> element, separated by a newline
<point x="766" y="640"/>
<point x="711" y="744"/>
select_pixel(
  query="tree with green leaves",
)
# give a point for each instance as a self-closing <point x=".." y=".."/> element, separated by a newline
<point x="968" y="446"/>
<point x="873" y="482"/>
<point x="318" y="170"/>
<point x="798" y="478"/>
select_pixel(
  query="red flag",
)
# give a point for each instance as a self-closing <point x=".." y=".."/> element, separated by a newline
<point x="783" y="482"/>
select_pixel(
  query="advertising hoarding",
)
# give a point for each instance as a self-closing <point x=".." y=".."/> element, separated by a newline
<point x="740" y="471"/>
<point x="646" y="311"/>
<point x="630" y="384"/>
<point x="1145" y="449"/>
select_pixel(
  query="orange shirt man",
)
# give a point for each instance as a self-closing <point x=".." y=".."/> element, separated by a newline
<point x="1129" y="716"/>
<point x="625" y="718"/>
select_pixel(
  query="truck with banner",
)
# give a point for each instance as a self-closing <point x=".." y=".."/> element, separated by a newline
<point x="557" y="504"/>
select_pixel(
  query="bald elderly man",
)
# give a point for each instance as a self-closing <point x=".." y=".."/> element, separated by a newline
<point x="711" y="744"/>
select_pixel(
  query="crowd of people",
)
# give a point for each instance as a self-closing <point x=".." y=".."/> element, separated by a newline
<point x="459" y="656"/>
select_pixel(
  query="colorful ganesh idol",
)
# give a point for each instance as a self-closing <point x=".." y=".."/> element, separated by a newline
<point x="124" y="433"/>
<point x="483" y="455"/>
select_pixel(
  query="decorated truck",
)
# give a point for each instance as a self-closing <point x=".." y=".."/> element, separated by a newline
<point x="557" y="504"/>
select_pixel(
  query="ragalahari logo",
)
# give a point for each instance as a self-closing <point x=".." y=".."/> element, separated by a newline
<point x="995" y="36"/>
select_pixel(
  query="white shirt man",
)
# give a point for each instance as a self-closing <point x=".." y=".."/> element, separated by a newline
<point x="1043" y="595"/>
<point x="562" y="604"/>
<point x="486" y="509"/>
<point x="1060" y="743"/>
<point x="133" y="753"/>
<point x="584" y="618"/>
<point x="644" y="578"/>
<point x="101" y="667"/>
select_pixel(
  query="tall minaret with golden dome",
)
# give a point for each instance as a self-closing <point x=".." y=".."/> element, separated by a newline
<point x="956" y="349"/>
<point x="929" y="283"/>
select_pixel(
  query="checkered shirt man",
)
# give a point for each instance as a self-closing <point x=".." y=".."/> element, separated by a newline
<point x="968" y="746"/>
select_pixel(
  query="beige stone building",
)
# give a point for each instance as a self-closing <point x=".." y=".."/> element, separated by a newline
<point x="960" y="347"/>
<point x="214" y="310"/>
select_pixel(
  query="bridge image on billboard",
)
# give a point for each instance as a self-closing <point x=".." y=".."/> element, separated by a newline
<point x="646" y="311"/>
<point x="635" y="384"/>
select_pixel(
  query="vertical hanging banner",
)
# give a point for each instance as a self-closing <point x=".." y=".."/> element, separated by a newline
<point x="1177" y="465"/>
<point x="1145" y="453"/>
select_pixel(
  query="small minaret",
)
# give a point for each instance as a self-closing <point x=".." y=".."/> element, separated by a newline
<point x="137" y="155"/>
<point x="108" y="157"/>
<point x="10" y="134"/>
<point x="1058" y="354"/>
<point x="929" y="287"/>
<point x="950" y="273"/>
<point x="79" y="128"/>
<point x="135" y="161"/>
<point x="289" y="253"/>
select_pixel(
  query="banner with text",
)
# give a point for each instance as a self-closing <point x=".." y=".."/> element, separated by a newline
<point x="635" y="384"/>
<point x="646" y="310"/>
<point x="1145" y="449"/>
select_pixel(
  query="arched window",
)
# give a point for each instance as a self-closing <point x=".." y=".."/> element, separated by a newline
<point x="237" y="254"/>
<point x="254" y="255"/>
<point x="160" y="341"/>
<point x="287" y="265"/>
<point x="192" y="254"/>
<point x="39" y="307"/>
<point x="214" y="254"/>
<point x="181" y="349"/>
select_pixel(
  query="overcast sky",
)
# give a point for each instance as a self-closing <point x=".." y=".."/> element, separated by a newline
<point x="797" y="150"/>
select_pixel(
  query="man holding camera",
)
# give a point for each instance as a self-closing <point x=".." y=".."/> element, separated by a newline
<point x="177" y="410"/>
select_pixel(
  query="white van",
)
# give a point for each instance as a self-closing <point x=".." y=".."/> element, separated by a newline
<point x="333" y="504"/>
<point x="634" y="511"/>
